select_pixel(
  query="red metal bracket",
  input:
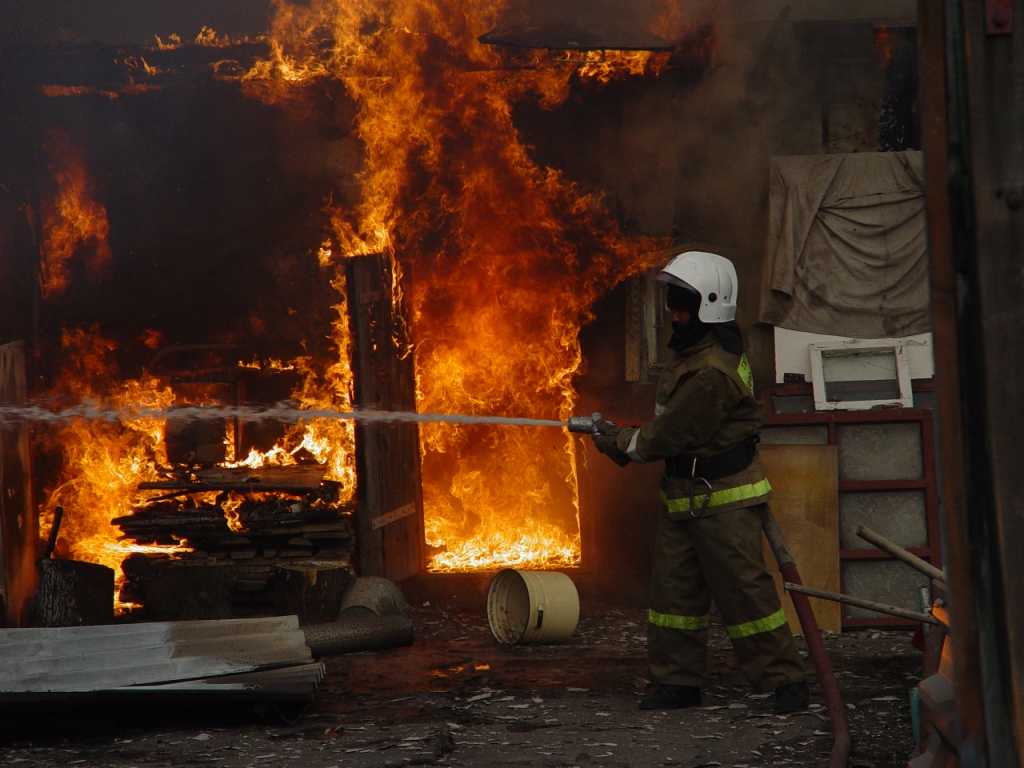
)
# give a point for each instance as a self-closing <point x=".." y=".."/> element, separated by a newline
<point x="998" y="17"/>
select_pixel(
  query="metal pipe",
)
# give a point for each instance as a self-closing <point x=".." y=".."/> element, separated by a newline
<point x="841" y="742"/>
<point x="900" y="553"/>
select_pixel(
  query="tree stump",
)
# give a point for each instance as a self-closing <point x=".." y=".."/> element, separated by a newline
<point x="311" y="590"/>
<point x="72" y="594"/>
<point x="179" y="590"/>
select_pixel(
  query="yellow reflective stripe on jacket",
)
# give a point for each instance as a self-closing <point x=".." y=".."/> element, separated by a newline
<point x="671" y="621"/>
<point x="718" y="498"/>
<point x="755" y="627"/>
<point x="745" y="373"/>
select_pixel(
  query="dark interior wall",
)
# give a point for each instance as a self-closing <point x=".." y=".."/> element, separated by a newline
<point x="126" y="22"/>
<point x="619" y="505"/>
<point x="215" y="203"/>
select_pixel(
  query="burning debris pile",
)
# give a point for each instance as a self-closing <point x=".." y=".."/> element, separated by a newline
<point x="157" y="491"/>
<point x="258" y="520"/>
<point x="274" y="509"/>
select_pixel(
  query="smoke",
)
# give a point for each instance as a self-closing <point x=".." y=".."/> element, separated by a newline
<point x="126" y="22"/>
<point x="667" y="18"/>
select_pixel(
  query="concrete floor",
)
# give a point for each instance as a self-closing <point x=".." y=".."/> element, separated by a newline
<point x="456" y="697"/>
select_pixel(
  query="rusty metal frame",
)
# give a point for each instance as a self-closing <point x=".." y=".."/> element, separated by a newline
<point x="928" y="483"/>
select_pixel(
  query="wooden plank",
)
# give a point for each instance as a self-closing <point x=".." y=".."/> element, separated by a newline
<point x="806" y="505"/>
<point x="387" y="454"/>
<point x="305" y="476"/>
<point x="19" y="523"/>
<point x="393" y="515"/>
<point x="988" y="236"/>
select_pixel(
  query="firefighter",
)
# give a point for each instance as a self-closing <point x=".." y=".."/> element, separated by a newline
<point x="708" y="543"/>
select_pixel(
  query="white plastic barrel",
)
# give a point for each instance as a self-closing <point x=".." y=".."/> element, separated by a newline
<point x="532" y="607"/>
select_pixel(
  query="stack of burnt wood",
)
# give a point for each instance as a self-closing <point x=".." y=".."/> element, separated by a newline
<point x="241" y="527"/>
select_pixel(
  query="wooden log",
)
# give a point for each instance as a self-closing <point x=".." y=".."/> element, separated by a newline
<point x="900" y="553"/>
<point x="363" y="633"/>
<point x="860" y="602"/>
<point x="296" y="480"/>
<point x="181" y="590"/>
<point x="270" y="519"/>
<point x="72" y="594"/>
<point x="310" y="590"/>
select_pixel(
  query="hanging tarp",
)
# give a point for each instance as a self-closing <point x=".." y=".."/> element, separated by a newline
<point x="847" y="253"/>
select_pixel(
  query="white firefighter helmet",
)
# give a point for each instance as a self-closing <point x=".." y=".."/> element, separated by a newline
<point x="712" y="276"/>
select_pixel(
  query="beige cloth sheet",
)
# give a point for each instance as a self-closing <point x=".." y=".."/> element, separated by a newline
<point x="847" y="250"/>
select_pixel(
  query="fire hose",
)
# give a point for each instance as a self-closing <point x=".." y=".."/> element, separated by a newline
<point x="841" y="742"/>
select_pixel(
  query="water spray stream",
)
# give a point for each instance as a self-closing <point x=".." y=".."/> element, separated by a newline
<point x="279" y="412"/>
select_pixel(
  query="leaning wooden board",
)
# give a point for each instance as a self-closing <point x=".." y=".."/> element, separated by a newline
<point x="805" y="480"/>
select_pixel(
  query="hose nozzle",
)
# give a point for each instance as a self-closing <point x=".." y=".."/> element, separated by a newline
<point x="584" y="425"/>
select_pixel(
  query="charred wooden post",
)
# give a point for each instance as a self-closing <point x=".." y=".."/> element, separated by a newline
<point x="312" y="591"/>
<point x="391" y="533"/>
<point x="73" y="594"/>
<point x="19" y="525"/>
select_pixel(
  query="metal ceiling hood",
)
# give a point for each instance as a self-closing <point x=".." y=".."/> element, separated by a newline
<point x="575" y="36"/>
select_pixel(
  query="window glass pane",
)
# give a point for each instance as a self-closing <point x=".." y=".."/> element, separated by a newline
<point x="861" y="375"/>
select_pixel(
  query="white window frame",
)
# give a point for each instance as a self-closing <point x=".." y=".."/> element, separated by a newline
<point x="857" y="347"/>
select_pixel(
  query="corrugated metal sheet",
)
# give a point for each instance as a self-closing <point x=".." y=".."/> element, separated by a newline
<point x="233" y="658"/>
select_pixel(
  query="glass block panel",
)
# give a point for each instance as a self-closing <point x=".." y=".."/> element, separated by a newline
<point x="884" y="581"/>
<point x="813" y="435"/>
<point x="900" y="516"/>
<point x="880" y="451"/>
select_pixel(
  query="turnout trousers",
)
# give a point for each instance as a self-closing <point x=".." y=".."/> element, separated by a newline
<point x="718" y="557"/>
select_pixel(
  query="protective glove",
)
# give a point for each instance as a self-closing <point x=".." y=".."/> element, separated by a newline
<point x="605" y="427"/>
<point x="604" y="438"/>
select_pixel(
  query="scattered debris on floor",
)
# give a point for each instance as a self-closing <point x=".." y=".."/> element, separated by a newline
<point x="456" y="697"/>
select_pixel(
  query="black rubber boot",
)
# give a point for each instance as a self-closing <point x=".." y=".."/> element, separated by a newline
<point x="672" y="697"/>
<point x="791" y="697"/>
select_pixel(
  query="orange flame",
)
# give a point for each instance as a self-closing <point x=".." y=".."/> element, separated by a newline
<point x="506" y="257"/>
<point x="103" y="462"/>
<point x="74" y="224"/>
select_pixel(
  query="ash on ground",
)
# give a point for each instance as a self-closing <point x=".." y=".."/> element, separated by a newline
<point x="457" y="697"/>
